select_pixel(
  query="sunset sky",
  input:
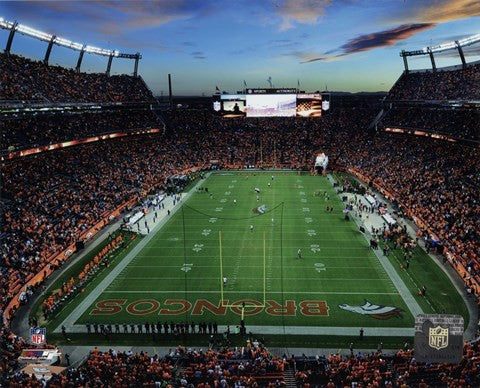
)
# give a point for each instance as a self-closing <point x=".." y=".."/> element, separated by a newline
<point x="348" y="45"/>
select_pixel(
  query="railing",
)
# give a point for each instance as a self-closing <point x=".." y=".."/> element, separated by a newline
<point x="31" y="151"/>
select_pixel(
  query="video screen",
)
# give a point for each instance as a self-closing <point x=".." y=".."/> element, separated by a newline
<point x="309" y="105"/>
<point x="271" y="105"/>
<point x="230" y="105"/>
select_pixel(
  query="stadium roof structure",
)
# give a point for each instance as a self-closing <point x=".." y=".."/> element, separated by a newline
<point x="14" y="27"/>
<point x="457" y="44"/>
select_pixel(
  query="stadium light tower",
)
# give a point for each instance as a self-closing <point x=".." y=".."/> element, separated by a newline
<point x="458" y="44"/>
<point x="14" y="27"/>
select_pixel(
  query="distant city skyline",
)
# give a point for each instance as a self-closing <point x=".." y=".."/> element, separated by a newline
<point x="349" y="45"/>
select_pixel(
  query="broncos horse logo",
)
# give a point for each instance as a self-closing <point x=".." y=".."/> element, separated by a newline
<point x="372" y="310"/>
<point x="260" y="209"/>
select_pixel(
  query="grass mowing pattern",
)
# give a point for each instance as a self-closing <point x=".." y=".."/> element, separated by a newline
<point x="181" y="263"/>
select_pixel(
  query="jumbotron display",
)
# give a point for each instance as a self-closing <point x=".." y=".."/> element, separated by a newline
<point x="269" y="103"/>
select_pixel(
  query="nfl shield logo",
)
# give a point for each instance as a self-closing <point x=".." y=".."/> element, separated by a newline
<point x="438" y="337"/>
<point x="38" y="335"/>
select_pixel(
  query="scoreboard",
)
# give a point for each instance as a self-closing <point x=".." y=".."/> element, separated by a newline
<point x="271" y="103"/>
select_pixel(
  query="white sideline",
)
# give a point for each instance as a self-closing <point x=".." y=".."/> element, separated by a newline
<point x="102" y="286"/>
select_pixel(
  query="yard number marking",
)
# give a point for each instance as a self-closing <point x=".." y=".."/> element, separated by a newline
<point x="197" y="247"/>
<point x="320" y="267"/>
<point x="186" y="267"/>
<point x="315" y="248"/>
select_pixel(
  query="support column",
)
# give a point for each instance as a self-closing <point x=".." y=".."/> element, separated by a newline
<point x="432" y="59"/>
<point x="10" y="38"/>
<point x="49" y="50"/>
<point x="109" y="65"/>
<point x="135" y="69"/>
<point x="460" y="52"/>
<point x="80" y="59"/>
<point x="170" y="97"/>
<point x="405" y="61"/>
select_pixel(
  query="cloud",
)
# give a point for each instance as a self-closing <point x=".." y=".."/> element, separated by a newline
<point x="300" y="11"/>
<point x="313" y="56"/>
<point x="315" y="59"/>
<point x="446" y="10"/>
<point x="113" y="16"/>
<point x="383" y="38"/>
<point x="198" y="55"/>
<point x="364" y="42"/>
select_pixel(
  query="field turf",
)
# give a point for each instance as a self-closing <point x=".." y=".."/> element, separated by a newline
<point x="177" y="276"/>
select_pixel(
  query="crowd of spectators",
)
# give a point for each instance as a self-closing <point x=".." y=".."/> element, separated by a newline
<point x="437" y="181"/>
<point x="380" y="370"/>
<point x="255" y="366"/>
<point x="462" y="84"/>
<point x="106" y="369"/>
<point x="250" y="366"/>
<point x="22" y="133"/>
<point x="28" y="80"/>
<point x="48" y="200"/>
<point x="459" y="123"/>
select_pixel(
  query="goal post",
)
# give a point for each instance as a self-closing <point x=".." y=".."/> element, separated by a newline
<point x="264" y="282"/>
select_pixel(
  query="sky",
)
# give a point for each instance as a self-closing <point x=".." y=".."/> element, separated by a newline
<point x="342" y="45"/>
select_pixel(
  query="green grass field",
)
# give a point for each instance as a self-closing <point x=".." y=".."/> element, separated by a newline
<point x="177" y="276"/>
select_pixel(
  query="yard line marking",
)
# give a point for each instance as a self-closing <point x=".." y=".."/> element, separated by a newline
<point x="247" y="266"/>
<point x="316" y="278"/>
<point x="246" y="292"/>
<point x="257" y="256"/>
<point x="212" y="245"/>
<point x="313" y="231"/>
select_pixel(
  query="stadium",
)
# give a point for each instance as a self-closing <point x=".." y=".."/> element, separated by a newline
<point x="259" y="236"/>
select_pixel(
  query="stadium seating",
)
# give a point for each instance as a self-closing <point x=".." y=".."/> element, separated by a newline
<point x="49" y="200"/>
<point x="462" y="84"/>
<point x="257" y="367"/>
<point x="27" y="80"/>
<point x="379" y="370"/>
<point x="458" y="123"/>
<point x="23" y="133"/>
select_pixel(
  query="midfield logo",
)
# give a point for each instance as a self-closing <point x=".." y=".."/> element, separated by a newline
<point x="260" y="209"/>
<point x="38" y="335"/>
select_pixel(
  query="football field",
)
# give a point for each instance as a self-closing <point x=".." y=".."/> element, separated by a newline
<point x="274" y="256"/>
